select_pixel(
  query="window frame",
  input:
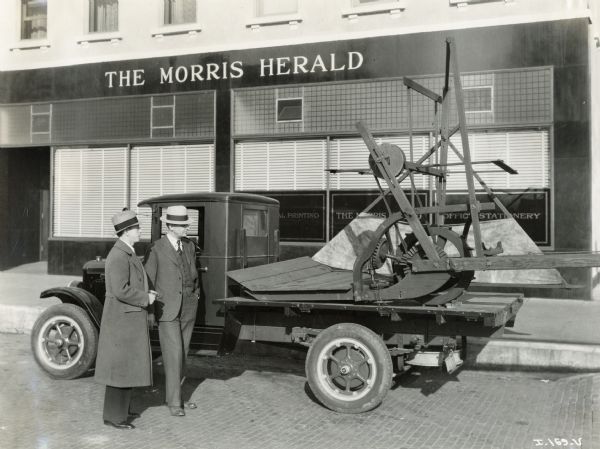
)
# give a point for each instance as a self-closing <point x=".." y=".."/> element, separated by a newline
<point x="300" y="120"/>
<point x="164" y="22"/>
<point x="257" y="7"/>
<point x="23" y="19"/>
<point x="93" y="19"/>
<point x="481" y="111"/>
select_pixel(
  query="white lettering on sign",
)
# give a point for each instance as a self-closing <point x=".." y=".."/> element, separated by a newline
<point x="280" y="66"/>
<point x="301" y="64"/>
<point x="126" y="78"/>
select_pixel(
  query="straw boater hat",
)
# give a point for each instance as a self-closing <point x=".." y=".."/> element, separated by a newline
<point x="124" y="220"/>
<point x="176" y="215"/>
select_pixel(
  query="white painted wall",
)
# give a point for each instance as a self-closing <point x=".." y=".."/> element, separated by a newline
<point x="594" y="37"/>
<point x="224" y="25"/>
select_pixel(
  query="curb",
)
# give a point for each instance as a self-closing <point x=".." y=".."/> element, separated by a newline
<point x="19" y="319"/>
<point x="483" y="353"/>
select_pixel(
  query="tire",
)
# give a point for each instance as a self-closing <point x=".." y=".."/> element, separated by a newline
<point x="349" y="368"/>
<point x="64" y="341"/>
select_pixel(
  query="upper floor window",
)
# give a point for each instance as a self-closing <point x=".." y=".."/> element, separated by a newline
<point x="34" y="15"/>
<point x="180" y="11"/>
<point x="104" y="16"/>
<point x="368" y="2"/>
<point x="266" y="8"/>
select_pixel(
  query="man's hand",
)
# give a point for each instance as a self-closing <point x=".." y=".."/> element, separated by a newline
<point x="152" y="295"/>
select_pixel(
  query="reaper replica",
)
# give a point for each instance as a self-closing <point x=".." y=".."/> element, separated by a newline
<point x="412" y="255"/>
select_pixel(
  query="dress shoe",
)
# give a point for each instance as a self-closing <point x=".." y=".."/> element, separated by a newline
<point x="121" y="425"/>
<point x="176" y="411"/>
<point x="190" y="404"/>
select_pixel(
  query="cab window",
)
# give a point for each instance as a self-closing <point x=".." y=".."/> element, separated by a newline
<point x="254" y="222"/>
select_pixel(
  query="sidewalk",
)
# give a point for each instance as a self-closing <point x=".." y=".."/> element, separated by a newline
<point x="548" y="334"/>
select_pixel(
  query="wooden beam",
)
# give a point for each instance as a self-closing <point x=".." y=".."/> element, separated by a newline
<point x="524" y="261"/>
<point x="422" y="90"/>
<point x="426" y="170"/>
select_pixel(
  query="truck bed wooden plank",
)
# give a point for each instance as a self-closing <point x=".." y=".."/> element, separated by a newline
<point x="312" y="297"/>
<point x="332" y="280"/>
<point x="262" y="271"/>
<point x="525" y="261"/>
<point x="490" y="314"/>
<point x="297" y="275"/>
<point x="279" y="281"/>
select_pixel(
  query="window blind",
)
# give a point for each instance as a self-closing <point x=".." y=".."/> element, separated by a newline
<point x="352" y="153"/>
<point x="281" y="165"/>
<point x="526" y="151"/>
<point x="90" y="186"/>
<point x="162" y="170"/>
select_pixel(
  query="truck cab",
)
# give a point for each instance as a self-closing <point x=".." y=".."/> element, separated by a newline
<point x="230" y="230"/>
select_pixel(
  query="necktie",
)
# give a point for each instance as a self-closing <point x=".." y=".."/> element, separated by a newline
<point x="179" y="247"/>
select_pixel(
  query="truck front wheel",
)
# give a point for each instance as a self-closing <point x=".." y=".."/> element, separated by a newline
<point x="64" y="341"/>
<point x="349" y="368"/>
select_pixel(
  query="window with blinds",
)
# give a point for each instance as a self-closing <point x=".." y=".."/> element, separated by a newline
<point x="301" y="164"/>
<point x="90" y="186"/>
<point x="158" y="170"/>
<point x="526" y="151"/>
<point x="352" y="153"/>
<point x="281" y="165"/>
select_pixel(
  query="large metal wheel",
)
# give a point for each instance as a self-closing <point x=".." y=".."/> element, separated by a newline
<point x="349" y="368"/>
<point x="64" y="341"/>
<point x="419" y="285"/>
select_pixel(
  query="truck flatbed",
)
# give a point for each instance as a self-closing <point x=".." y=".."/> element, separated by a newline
<point x="490" y="309"/>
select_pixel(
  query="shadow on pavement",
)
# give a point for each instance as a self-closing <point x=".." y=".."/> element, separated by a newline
<point x="428" y="380"/>
<point x="201" y="368"/>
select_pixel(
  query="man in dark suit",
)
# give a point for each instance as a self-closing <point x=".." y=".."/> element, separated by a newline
<point x="124" y="358"/>
<point x="171" y="268"/>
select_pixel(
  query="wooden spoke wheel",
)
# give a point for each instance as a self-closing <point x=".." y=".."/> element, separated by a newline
<point x="64" y="341"/>
<point x="349" y="368"/>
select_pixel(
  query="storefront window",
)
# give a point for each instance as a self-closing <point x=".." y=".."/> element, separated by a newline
<point x="92" y="184"/>
<point x="34" y="19"/>
<point x="162" y="170"/>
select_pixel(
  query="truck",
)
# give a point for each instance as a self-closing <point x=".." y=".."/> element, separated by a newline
<point x="385" y="294"/>
<point x="354" y="348"/>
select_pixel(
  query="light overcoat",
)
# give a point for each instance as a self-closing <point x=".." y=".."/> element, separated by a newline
<point x="124" y="355"/>
<point x="166" y="278"/>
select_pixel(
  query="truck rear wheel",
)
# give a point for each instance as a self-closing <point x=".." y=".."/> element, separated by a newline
<point x="349" y="368"/>
<point x="64" y="341"/>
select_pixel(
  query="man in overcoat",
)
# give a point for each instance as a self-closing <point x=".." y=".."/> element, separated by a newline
<point x="171" y="268"/>
<point x="124" y="356"/>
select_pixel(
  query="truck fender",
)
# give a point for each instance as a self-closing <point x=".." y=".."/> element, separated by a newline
<point x="79" y="297"/>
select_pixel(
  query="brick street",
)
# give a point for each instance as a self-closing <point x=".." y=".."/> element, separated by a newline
<point x="257" y="402"/>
